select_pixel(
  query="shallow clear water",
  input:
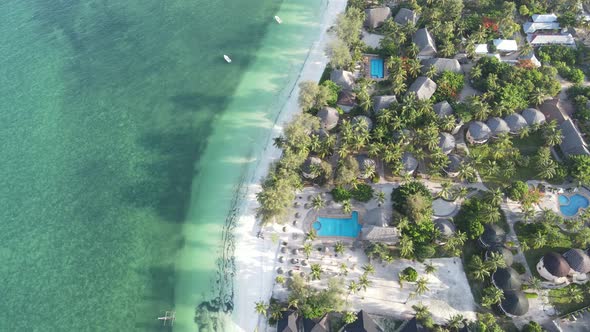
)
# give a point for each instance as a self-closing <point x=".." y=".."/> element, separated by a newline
<point x="347" y="227"/>
<point x="570" y="206"/>
<point x="116" y="177"/>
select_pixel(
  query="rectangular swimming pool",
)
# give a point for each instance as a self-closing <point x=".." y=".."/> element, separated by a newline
<point x="343" y="227"/>
<point x="377" y="68"/>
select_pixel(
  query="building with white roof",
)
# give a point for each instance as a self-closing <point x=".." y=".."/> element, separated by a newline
<point x="565" y="39"/>
<point x="481" y="49"/>
<point x="506" y="45"/>
<point x="532" y="27"/>
<point x="544" y="18"/>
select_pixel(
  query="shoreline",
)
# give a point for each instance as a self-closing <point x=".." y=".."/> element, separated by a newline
<point x="255" y="258"/>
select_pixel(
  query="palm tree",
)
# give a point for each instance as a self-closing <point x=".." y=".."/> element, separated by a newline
<point x="311" y="235"/>
<point x="349" y="317"/>
<point x="406" y="247"/>
<point x="466" y="172"/>
<point x="455" y="322"/>
<point x="445" y="190"/>
<point x="462" y="192"/>
<point x="429" y="268"/>
<point x="524" y="132"/>
<point x="575" y="294"/>
<point x="413" y="50"/>
<point x="421" y="310"/>
<point x="276" y="311"/>
<point x="369" y="171"/>
<point x="280" y="279"/>
<point x="380" y="197"/>
<point x="293" y="303"/>
<point x="318" y="202"/>
<point x="552" y="135"/>
<point x="431" y="72"/>
<point x="526" y="49"/>
<point x="307" y="249"/>
<point x="343" y="269"/>
<point x="364" y="282"/>
<point x="534" y="283"/>
<point x="339" y="247"/>
<point x="421" y="286"/>
<point x="475" y="72"/>
<point x="538" y="96"/>
<point x="261" y="308"/>
<point x="539" y="241"/>
<point x="414" y="67"/>
<point x="495" y="197"/>
<point x="494" y="261"/>
<point x="491" y="296"/>
<point x="479" y="271"/>
<point x="369" y="268"/>
<point x="353" y="287"/>
<point x="316" y="271"/>
<point x="346" y="206"/>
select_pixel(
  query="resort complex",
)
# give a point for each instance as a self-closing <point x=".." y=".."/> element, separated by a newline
<point x="437" y="176"/>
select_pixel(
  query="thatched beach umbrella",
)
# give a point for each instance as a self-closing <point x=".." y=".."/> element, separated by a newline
<point x="291" y="272"/>
<point x="280" y="270"/>
<point x="282" y="259"/>
<point x="304" y="262"/>
<point x="296" y="204"/>
<point x="294" y="260"/>
<point x="284" y="228"/>
<point x="295" y="251"/>
<point x="284" y="250"/>
<point x="297" y="215"/>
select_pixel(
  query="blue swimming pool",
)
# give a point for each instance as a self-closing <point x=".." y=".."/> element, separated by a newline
<point x="570" y="206"/>
<point x="377" y="68"/>
<point x="347" y="227"/>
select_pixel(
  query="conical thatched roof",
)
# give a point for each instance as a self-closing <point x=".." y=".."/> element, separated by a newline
<point x="506" y="254"/>
<point x="515" y="122"/>
<point x="443" y="109"/>
<point x="506" y="279"/>
<point x="381" y="102"/>
<point x="343" y="78"/>
<point x="533" y="116"/>
<point x="423" y="87"/>
<point x="363" y="120"/>
<point x="578" y="260"/>
<point x="498" y="126"/>
<point x="479" y="131"/>
<point x="362" y="323"/>
<point x="493" y="235"/>
<point x="446" y="142"/>
<point x="515" y="303"/>
<point x="409" y="162"/>
<point x="405" y="16"/>
<point x="328" y="118"/>
<point x="310" y="325"/>
<point x="445" y="227"/>
<point x="288" y="322"/>
<point x="454" y="164"/>
<point x="308" y="164"/>
<point x="441" y="65"/>
<point x="425" y="43"/>
<point x="555" y="264"/>
<point x="374" y="17"/>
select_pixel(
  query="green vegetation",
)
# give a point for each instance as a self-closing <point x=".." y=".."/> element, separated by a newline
<point x="449" y="86"/>
<point x="474" y="214"/>
<point x="564" y="59"/>
<point x="409" y="274"/>
<point x="362" y="192"/>
<point x="570" y="298"/>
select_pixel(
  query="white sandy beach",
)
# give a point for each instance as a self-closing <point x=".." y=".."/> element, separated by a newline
<point x="255" y="258"/>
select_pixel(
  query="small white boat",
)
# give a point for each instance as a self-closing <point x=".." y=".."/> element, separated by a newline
<point x="278" y="19"/>
<point x="227" y="58"/>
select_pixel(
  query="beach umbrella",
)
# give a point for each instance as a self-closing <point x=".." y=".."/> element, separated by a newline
<point x="282" y="259"/>
<point x="306" y="206"/>
<point x="284" y="250"/>
<point x="280" y="270"/>
<point x="285" y="243"/>
<point x="297" y="204"/>
<point x="291" y="272"/>
<point x="297" y="215"/>
<point x="294" y="222"/>
<point x="284" y="229"/>
<point x="304" y="262"/>
<point x="295" y="251"/>
<point x="294" y="260"/>
<point x="302" y="274"/>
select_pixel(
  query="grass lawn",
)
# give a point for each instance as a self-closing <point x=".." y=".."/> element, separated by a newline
<point x="562" y="301"/>
<point x="524" y="232"/>
<point x="528" y="147"/>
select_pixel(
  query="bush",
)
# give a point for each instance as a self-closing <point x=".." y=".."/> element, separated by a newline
<point x="332" y="92"/>
<point x="340" y="194"/>
<point x="410" y="274"/>
<point x="362" y="193"/>
<point x="401" y="194"/>
<point x="518" y="267"/>
<point x="449" y="85"/>
<point x="532" y="326"/>
<point x="517" y="191"/>
<point x="531" y="296"/>
<point x="424" y="252"/>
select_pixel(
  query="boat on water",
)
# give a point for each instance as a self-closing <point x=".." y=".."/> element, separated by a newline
<point x="278" y="19"/>
<point x="227" y="58"/>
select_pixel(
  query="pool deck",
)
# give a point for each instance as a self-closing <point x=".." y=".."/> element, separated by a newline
<point x="551" y="199"/>
<point x="367" y="67"/>
<point x="312" y="216"/>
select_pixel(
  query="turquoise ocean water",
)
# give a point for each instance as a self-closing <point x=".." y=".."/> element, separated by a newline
<point x="124" y="140"/>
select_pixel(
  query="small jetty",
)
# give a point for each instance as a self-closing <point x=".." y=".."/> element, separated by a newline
<point x="168" y="318"/>
<point x="227" y="58"/>
<point x="278" y="19"/>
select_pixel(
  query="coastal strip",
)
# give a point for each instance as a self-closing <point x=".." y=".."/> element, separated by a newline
<point x="255" y="257"/>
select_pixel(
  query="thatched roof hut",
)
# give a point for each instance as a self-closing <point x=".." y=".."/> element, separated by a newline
<point x="328" y="118"/>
